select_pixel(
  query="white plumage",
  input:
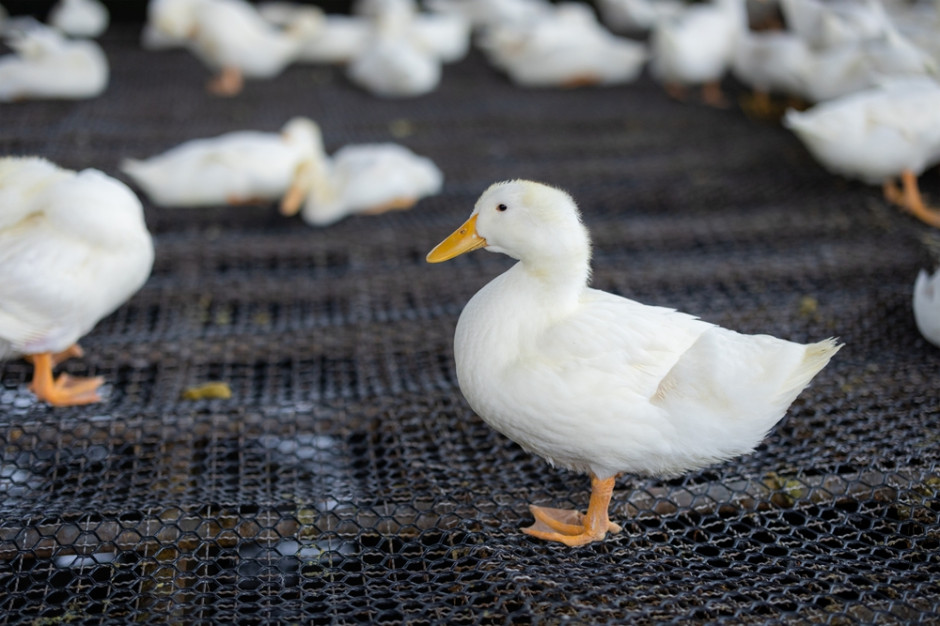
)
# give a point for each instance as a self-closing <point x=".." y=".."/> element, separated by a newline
<point x="79" y="18"/>
<point x="331" y="38"/>
<point x="229" y="36"/>
<point x="48" y="65"/>
<point x="73" y="247"/>
<point x="598" y="383"/>
<point x="234" y="168"/>
<point x="563" y="47"/>
<point x="696" y="46"/>
<point x="393" y="64"/>
<point x="927" y="306"/>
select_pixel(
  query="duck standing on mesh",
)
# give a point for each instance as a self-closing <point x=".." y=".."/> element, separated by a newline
<point x="73" y="247"/>
<point x="597" y="383"/>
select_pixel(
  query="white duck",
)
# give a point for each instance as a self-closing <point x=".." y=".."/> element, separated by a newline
<point x="770" y="62"/>
<point x="446" y="36"/>
<point x="834" y="23"/>
<point x="845" y="69"/>
<point x="696" y="48"/>
<point x="637" y="16"/>
<point x="392" y="65"/>
<point x="483" y="14"/>
<point x="48" y="65"/>
<point x="335" y="39"/>
<point x="79" y="18"/>
<point x="927" y="306"/>
<point x="230" y="37"/>
<point x="239" y="167"/>
<point x="363" y="178"/>
<point x="566" y="47"/>
<point x="73" y="247"/>
<point x="878" y="136"/>
<point x="597" y="383"/>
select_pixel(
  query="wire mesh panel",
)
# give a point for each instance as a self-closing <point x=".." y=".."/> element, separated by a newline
<point x="346" y="481"/>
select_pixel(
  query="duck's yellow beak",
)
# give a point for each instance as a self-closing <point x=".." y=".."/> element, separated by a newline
<point x="464" y="239"/>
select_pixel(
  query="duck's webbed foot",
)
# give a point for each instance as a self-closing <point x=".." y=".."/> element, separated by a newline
<point x="573" y="528"/>
<point x="65" y="390"/>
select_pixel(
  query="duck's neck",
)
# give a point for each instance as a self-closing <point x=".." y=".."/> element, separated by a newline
<point x="560" y="278"/>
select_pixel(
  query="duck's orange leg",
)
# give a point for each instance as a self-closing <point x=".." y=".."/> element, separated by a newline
<point x="298" y="190"/>
<point x="228" y="83"/>
<point x="712" y="95"/>
<point x="571" y="527"/>
<point x="912" y="201"/>
<point x="65" y="390"/>
<point x="74" y="351"/>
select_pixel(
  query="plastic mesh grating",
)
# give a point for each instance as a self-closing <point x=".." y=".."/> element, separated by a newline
<point x="346" y="481"/>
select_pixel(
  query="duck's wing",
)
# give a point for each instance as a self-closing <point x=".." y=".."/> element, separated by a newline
<point x="617" y="339"/>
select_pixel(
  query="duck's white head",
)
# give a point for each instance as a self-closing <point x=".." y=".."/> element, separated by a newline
<point x="535" y="223"/>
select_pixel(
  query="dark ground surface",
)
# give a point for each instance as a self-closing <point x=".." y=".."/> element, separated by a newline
<point x="347" y="481"/>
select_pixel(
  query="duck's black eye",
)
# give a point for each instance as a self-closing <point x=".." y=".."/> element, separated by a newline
<point x="501" y="207"/>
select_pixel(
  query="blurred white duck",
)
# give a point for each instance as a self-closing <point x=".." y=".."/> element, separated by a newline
<point x="637" y="16"/>
<point x="392" y="65"/>
<point x="79" y="18"/>
<point x="335" y="39"/>
<point x="771" y="62"/>
<point x="73" y="247"/>
<point x="230" y="37"/>
<point x="696" y="47"/>
<point x="927" y="306"/>
<point x="878" y="136"/>
<point x="920" y="23"/>
<point x="841" y="70"/>
<point x="48" y="65"/>
<point x="597" y="383"/>
<point x="483" y="14"/>
<point x="239" y="167"/>
<point x="565" y="47"/>
<point x="363" y="178"/>
<point x="835" y="22"/>
<point x="446" y="36"/>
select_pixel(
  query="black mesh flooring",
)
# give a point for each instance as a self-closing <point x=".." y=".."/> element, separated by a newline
<point x="346" y="481"/>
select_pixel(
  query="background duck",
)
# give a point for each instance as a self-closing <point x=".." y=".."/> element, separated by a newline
<point x="834" y="23"/>
<point x="48" y="65"/>
<point x="877" y="136"/>
<point x="230" y="37"/>
<point x="696" y="47"/>
<point x="239" y="167"/>
<point x="73" y="247"/>
<point x="637" y="16"/>
<point x="79" y="18"/>
<point x="597" y="383"/>
<point x="393" y="64"/>
<point x="446" y="36"/>
<point x="363" y="178"/>
<point x="566" y="47"/>
<point x="927" y="306"/>
<point x="333" y="39"/>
